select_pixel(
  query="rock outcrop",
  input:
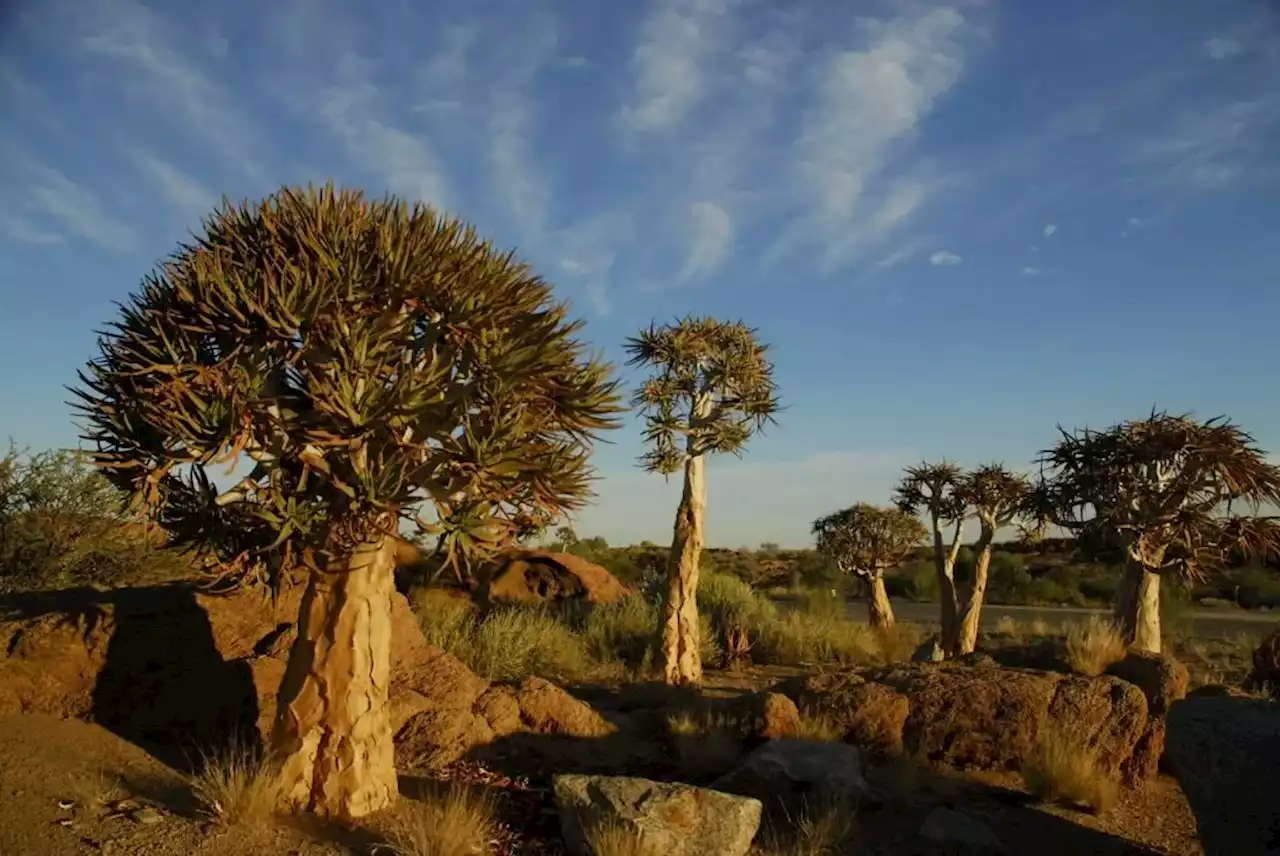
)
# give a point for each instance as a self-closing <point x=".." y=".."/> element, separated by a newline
<point x="175" y="666"/>
<point x="978" y="717"/>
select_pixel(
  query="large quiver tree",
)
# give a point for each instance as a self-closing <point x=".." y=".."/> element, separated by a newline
<point x="1164" y="492"/>
<point x="865" y="541"/>
<point x="710" y="390"/>
<point x="366" y="359"/>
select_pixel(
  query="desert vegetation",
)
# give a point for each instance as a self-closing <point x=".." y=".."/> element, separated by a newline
<point x="384" y="383"/>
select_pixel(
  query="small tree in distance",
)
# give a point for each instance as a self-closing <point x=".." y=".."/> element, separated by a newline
<point x="1163" y="490"/>
<point x="998" y="498"/>
<point x="710" y="391"/>
<point x="865" y="541"/>
<point x="934" y="490"/>
<point x="367" y="358"/>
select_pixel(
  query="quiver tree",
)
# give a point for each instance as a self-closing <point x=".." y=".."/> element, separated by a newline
<point x="933" y="490"/>
<point x="365" y="358"/>
<point x="1163" y="491"/>
<point x="997" y="498"/>
<point x="710" y="390"/>
<point x="865" y="541"/>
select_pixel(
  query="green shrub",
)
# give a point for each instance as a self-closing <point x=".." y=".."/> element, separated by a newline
<point x="624" y="631"/>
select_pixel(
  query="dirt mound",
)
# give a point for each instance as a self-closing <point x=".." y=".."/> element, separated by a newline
<point x="976" y="717"/>
<point x="172" y="666"/>
<point x="535" y="576"/>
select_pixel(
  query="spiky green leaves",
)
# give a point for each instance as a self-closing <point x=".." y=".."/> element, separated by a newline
<point x="1163" y="488"/>
<point x="368" y="357"/>
<point x="710" y="390"/>
<point x="996" y="496"/>
<point x="933" y="489"/>
<point x="866" y="540"/>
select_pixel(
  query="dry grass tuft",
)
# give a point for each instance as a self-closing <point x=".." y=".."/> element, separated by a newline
<point x="1038" y="628"/>
<point x="612" y="839"/>
<point x="899" y="641"/>
<point x="820" y="727"/>
<point x="1008" y="627"/>
<point x="238" y="787"/>
<point x="1064" y="770"/>
<point x="457" y="821"/>
<point x="1094" y="645"/>
<point x="824" y="829"/>
<point x="706" y="744"/>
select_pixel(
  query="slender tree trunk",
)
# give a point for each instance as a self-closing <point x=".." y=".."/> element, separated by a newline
<point x="1137" y="608"/>
<point x="681" y="656"/>
<point x="944" y="563"/>
<point x="879" y="610"/>
<point x="971" y="615"/>
<point x="332" y="732"/>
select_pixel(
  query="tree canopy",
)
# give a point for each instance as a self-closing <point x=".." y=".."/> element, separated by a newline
<point x="866" y="540"/>
<point x="366" y="358"/>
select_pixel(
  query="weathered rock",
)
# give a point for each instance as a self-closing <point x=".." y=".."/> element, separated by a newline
<point x="790" y="774"/>
<point x="1225" y="753"/>
<point x="766" y="716"/>
<point x="981" y="717"/>
<point x="1163" y="680"/>
<point x="437" y="736"/>
<point x="501" y="710"/>
<point x="665" y="819"/>
<point x="547" y="709"/>
<point x="957" y="832"/>
<point x="535" y="576"/>
<point x="869" y="714"/>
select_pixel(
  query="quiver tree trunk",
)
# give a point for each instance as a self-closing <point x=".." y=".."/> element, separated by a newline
<point x="681" y="657"/>
<point x="879" y="610"/>
<point x="944" y="565"/>
<point x="971" y="613"/>
<point x="1137" y="608"/>
<point x="333" y="735"/>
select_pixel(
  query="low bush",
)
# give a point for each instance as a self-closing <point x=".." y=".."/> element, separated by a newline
<point x="238" y="787"/>
<point x="1092" y="646"/>
<point x="1065" y="770"/>
<point x="457" y="821"/>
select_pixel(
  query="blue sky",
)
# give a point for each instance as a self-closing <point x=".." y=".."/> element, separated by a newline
<point x="958" y="224"/>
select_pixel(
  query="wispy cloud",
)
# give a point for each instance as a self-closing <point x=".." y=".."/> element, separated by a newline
<point x="142" y="43"/>
<point x="676" y="37"/>
<point x="518" y="179"/>
<point x="869" y="105"/>
<point x="22" y="230"/>
<point x="1222" y="48"/>
<point x="1210" y="149"/>
<point x="711" y="236"/>
<point x="944" y="258"/>
<point x="402" y="160"/>
<point x="1031" y="271"/>
<point x="184" y="193"/>
<point x="78" y="209"/>
<point x="1049" y="229"/>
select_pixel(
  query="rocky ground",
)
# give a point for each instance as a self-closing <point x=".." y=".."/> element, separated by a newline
<point x="161" y="669"/>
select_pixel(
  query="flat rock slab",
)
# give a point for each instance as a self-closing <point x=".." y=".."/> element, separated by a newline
<point x="791" y="773"/>
<point x="658" y="818"/>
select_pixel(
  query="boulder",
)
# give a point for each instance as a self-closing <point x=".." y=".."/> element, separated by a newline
<point x="547" y="709"/>
<point x="536" y="576"/>
<point x="790" y="774"/>
<point x="868" y="713"/>
<point x="1224" y="752"/>
<point x="766" y="716"/>
<point x="980" y="717"/>
<point x="1163" y="680"/>
<point x="955" y="832"/>
<point x="660" y="819"/>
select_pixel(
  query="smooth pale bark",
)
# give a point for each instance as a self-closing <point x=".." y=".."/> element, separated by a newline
<point x="1137" y="608"/>
<point x="971" y="614"/>
<point x="681" y="654"/>
<point x="332" y="732"/>
<point x="879" y="610"/>
<point x="949" y="602"/>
